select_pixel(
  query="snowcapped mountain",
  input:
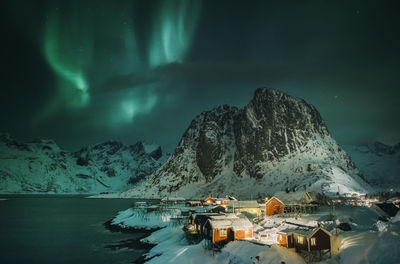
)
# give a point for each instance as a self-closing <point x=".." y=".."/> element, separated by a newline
<point x="378" y="162"/>
<point x="41" y="166"/>
<point x="274" y="143"/>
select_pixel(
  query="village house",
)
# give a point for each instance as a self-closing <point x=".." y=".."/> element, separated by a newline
<point x="216" y="201"/>
<point x="209" y="201"/>
<point x="199" y="220"/>
<point x="291" y="202"/>
<point x="251" y="207"/>
<point x="309" y="240"/>
<point x="221" y="202"/>
<point x="218" y="231"/>
<point x="274" y="206"/>
<point x="226" y="228"/>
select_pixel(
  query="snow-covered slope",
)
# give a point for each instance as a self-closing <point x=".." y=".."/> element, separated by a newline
<point x="275" y="142"/>
<point x="41" y="166"/>
<point x="378" y="162"/>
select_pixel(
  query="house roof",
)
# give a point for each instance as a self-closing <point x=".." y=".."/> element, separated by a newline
<point x="216" y="224"/>
<point x="229" y="221"/>
<point x="203" y="215"/>
<point x="388" y="208"/>
<point x="243" y="204"/>
<point x="300" y="231"/>
<point x="274" y="197"/>
<point x="241" y="224"/>
<point x="290" y="198"/>
<point x="306" y="232"/>
<point x="224" y="217"/>
<point x="320" y="228"/>
<point x="172" y="199"/>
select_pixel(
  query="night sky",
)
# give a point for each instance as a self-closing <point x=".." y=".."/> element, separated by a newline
<point x="83" y="72"/>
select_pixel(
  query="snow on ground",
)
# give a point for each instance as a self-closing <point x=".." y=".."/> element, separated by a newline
<point x="371" y="246"/>
<point x="396" y="218"/>
<point x="172" y="247"/>
<point x="140" y="218"/>
<point x="370" y="241"/>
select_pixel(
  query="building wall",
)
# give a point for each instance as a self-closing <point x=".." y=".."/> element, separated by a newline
<point x="209" y="201"/>
<point x="273" y="207"/>
<point x="300" y="246"/>
<point x="254" y="211"/>
<point x="249" y="233"/>
<point x="282" y="239"/>
<point x="240" y="234"/>
<point x="323" y="241"/>
<point x="217" y="237"/>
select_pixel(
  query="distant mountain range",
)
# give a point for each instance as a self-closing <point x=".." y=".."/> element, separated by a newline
<point x="42" y="167"/>
<point x="276" y="142"/>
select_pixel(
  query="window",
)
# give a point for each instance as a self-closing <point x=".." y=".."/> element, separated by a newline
<point x="222" y="232"/>
<point x="300" y="240"/>
<point x="279" y="237"/>
<point x="313" y="241"/>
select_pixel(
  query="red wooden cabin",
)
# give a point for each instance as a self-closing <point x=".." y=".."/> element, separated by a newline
<point x="274" y="206"/>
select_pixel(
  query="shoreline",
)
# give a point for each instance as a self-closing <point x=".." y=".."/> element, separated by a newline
<point x="135" y="243"/>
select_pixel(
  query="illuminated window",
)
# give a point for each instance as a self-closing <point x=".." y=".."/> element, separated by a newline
<point x="279" y="237"/>
<point x="222" y="232"/>
<point x="300" y="240"/>
<point x="313" y="241"/>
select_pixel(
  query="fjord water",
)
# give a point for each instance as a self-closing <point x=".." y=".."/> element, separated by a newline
<point x="60" y="229"/>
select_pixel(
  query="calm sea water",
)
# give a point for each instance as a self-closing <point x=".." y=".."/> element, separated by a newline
<point x="62" y="230"/>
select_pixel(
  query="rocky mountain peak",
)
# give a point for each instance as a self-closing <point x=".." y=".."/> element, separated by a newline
<point x="271" y="126"/>
<point x="275" y="140"/>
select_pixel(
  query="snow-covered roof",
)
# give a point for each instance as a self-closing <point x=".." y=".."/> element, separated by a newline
<point x="244" y="204"/>
<point x="290" y="198"/>
<point x="172" y="199"/>
<point x="241" y="224"/>
<point x="320" y="228"/>
<point x="216" y="224"/>
<point x="306" y="232"/>
<point x="224" y="216"/>
<point x="230" y="221"/>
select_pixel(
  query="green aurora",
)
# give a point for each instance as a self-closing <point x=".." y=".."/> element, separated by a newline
<point x="69" y="46"/>
<point x="84" y="71"/>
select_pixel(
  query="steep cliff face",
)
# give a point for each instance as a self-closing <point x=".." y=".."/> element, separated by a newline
<point x="272" y="126"/>
<point x="202" y="153"/>
<point x="274" y="143"/>
<point x="41" y="166"/>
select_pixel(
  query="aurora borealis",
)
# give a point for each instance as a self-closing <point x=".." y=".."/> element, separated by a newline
<point x="81" y="72"/>
<point x="73" y="29"/>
